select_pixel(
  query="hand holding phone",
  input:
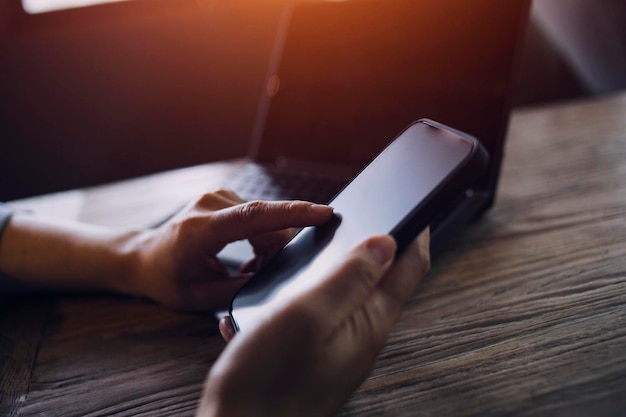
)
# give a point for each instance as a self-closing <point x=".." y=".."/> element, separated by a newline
<point x="421" y="172"/>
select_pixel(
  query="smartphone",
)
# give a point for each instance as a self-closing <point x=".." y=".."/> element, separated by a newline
<point x="420" y="173"/>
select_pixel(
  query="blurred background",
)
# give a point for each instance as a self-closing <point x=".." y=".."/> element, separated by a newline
<point x="91" y="94"/>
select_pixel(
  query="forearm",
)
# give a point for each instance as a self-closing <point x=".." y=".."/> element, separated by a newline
<point x="65" y="255"/>
<point x="175" y="264"/>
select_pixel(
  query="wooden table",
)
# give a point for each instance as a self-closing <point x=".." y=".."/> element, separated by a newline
<point x="525" y="314"/>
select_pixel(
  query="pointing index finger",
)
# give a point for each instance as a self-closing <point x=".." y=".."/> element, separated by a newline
<point x="247" y="220"/>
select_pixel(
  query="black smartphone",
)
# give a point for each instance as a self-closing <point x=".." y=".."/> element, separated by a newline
<point x="421" y="173"/>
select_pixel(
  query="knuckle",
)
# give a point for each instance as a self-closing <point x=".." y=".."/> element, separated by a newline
<point x="292" y="206"/>
<point x="229" y="194"/>
<point x="292" y="209"/>
<point x="223" y="191"/>
<point x="207" y="200"/>
<point x="192" y="225"/>
<point x="188" y="225"/>
<point x="250" y="211"/>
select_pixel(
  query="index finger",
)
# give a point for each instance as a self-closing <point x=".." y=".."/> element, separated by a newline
<point x="247" y="220"/>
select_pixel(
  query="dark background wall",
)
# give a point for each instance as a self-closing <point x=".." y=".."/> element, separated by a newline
<point x="108" y="92"/>
<point x="93" y="95"/>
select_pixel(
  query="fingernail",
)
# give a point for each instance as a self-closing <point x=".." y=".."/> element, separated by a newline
<point x="383" y="249"/>
<point x="320" y="209"/>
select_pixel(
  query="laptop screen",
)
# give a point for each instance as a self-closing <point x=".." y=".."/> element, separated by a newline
<point x="349" y="76"/>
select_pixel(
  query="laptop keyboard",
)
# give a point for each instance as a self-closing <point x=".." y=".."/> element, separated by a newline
<point x="259" y="182"/>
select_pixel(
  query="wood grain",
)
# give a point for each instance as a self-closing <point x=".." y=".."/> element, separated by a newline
<point x="22" y="322"/>
<point x="103" y="356"/>
<point x="526" y="313"/>
<point x="523" y="315"/>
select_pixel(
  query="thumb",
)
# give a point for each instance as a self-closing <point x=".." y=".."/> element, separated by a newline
<point x="352" y="282"/>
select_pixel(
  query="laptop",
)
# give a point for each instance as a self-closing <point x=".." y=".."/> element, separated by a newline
<point x="346" y="77"/>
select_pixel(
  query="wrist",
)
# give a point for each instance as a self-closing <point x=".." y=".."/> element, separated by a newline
<point x="127" y="251"/>
<point x="54" y="254"/>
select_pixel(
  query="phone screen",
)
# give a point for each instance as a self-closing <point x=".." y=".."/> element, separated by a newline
<point x="397" y="194"/>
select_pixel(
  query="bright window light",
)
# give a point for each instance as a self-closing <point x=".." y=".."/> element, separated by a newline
<point x="42" y="6"/>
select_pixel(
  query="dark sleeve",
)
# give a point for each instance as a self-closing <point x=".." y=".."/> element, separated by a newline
<point x="5" y="215"/>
